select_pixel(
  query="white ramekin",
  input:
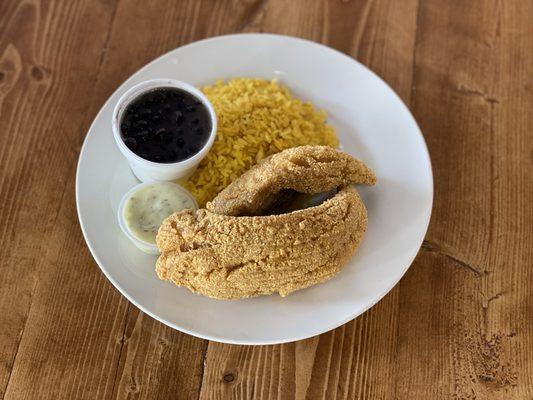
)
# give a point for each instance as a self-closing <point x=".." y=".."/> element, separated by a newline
<point x="146" y="247"/>
<point x="149" y="171"/>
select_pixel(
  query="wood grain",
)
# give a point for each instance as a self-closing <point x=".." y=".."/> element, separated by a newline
<point x="460" y="323"/>
<point x="475" y="314"/>
<point x="40" y="130"/>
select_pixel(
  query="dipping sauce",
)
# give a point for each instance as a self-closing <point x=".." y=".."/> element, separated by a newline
<point x="146" y="208"/>
<point x="165" y="125"/>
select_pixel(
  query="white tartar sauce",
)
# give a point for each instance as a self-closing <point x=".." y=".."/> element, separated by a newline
<point x="146" y="208"/>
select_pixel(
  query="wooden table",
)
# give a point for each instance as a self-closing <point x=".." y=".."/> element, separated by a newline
<point x="458" y="326"/>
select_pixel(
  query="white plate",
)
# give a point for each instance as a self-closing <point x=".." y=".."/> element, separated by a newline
<point x="372" y="123"/>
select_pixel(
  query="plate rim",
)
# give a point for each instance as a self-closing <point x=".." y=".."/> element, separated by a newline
<point x="313" y="332"/>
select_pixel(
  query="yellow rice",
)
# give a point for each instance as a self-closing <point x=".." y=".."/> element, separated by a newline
<point x="256" y="118"/>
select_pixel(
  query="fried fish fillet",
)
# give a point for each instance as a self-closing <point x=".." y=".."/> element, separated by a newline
<point x="305" y="169"/>
<point x="225" y="253"/>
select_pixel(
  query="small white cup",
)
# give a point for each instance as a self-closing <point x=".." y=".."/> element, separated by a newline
<point x="150" y="171"/>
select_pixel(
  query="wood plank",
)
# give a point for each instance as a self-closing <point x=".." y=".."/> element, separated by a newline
<point x="157" y="361"/>
<point x="356" y="360"/>
<point x="466" y="313"/>
<point x="40" y="76"/>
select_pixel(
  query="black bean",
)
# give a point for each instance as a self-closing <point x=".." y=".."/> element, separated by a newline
<point x="178" y="116"/>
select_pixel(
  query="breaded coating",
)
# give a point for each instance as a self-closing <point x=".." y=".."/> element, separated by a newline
<point x="305" y="169"/>
<point x="227" y="257"/>
<point x="231" y="251"/>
